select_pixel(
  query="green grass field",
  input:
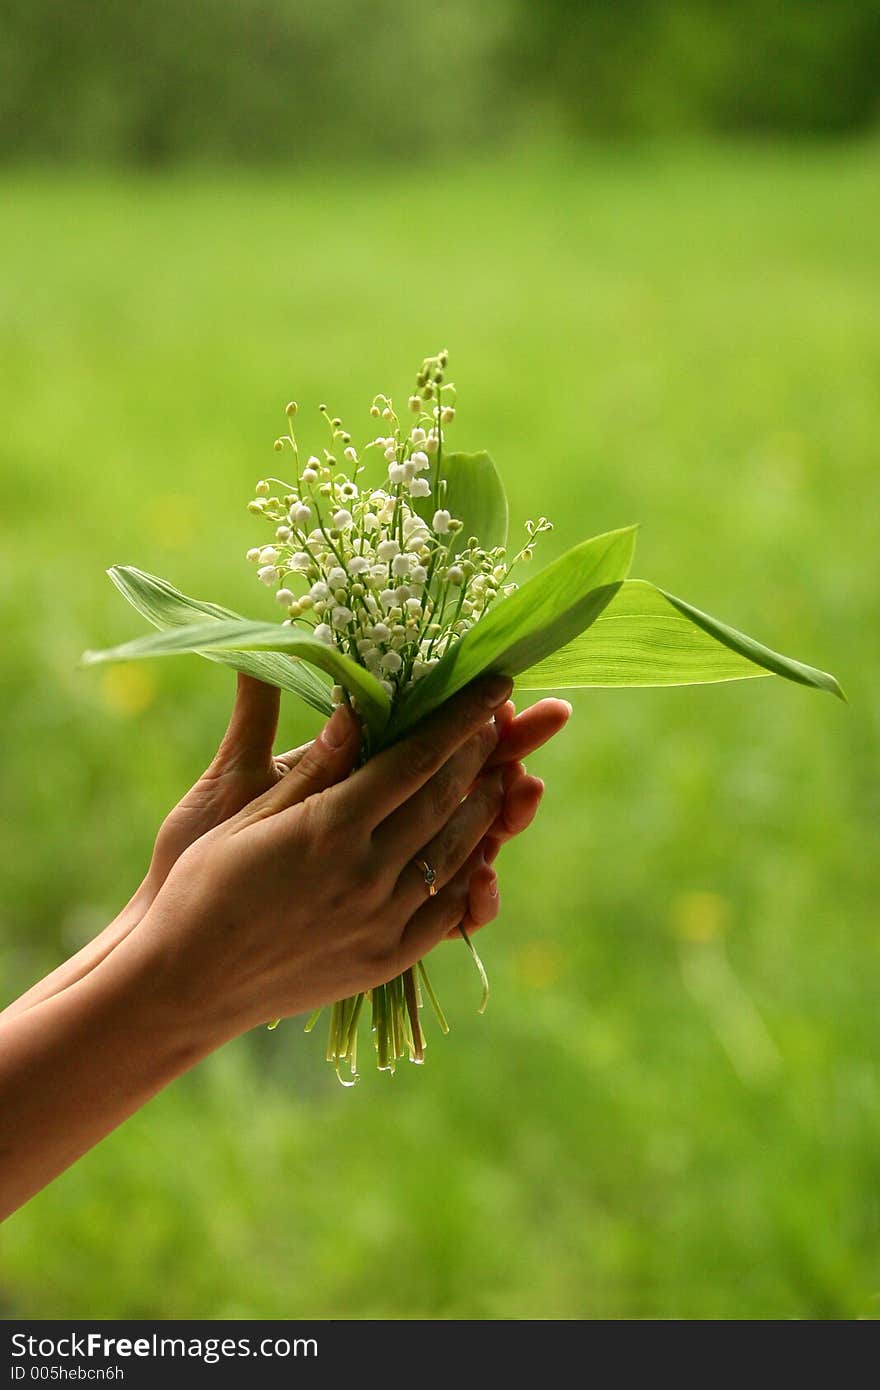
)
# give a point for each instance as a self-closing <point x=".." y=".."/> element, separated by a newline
<point x="672" y="1105"/>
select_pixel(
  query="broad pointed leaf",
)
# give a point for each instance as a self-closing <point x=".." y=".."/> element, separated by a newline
<point x="647" y="636"/>
<point x="166" y="607"/>
<point x="239" y="635"/>
<point x="521" y="630"/>
<point x="475" y="494"/>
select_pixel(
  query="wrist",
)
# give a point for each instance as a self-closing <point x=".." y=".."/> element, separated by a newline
<point x="190" y="1005"/>
<point x="137" y="906"/>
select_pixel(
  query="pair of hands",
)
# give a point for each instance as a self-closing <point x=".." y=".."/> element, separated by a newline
<point x="277" y="884"/>
<point x="283" y="882"/>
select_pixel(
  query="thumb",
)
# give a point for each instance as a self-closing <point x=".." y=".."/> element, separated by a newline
<point x="325" y="762"/>
<point x="252" y="726"/>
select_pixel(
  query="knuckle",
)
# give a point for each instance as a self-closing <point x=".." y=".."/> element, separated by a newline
<point x="444" y="792"/>
<point x="420" y="756"/>
<point x="487" y="740"/>
<point x="307" y="770"/>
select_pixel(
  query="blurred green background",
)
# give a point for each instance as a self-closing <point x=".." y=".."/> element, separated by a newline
<point x="649" y="235"/>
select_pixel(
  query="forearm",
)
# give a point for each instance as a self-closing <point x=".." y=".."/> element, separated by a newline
<point x="85" y="960"/>
<point x="75" y="1065"/>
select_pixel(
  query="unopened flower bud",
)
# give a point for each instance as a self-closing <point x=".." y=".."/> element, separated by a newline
<point x="414" y="404"/>
<point x="290" y="409"/>
<point x="262" y="489"/>
<point x="284" y="597"/>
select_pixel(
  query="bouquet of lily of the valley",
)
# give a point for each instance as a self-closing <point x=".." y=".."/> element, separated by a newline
<point x="392" y="567"/>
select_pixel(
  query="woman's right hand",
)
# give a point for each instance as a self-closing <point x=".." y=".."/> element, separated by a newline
<point x="312" y="892"/>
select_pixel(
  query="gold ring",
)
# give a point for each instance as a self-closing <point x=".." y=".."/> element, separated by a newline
<point x="430" y="876"/>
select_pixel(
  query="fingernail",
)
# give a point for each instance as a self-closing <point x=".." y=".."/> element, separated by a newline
<point x="568" y="705"/>
<point x="495" y="690"/>
<point x="337" y="728"/>
<point x="493" y="887"/>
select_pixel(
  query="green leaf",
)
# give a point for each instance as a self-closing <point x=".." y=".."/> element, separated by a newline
<point x="166" y="607"/>
<point x="237" y="635"/>
<point x="649" y="637"/>
<point x="475" y="494"/>
<point x="521" y="630"/>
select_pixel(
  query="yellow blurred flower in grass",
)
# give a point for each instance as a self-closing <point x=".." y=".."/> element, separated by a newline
<point x="128" y="690"/>
<point x="700" y="916"/>
<point x="539" y="964"/>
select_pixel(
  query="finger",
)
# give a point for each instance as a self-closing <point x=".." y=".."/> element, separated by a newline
<point x="483" y="899"/>
<point x="439" y="916"/>
<point x="483" y="902"/>
<point x="521" y="736"/>
<point x="448" y="850"/>
<point x="419" y="819"/>
<point x="251" y="732"/>
<point x="285" y="761"/>
<point x="326" y="761"/>
<point x="393" y="776"/>
<point x="522" y="797"/>
<point x="504" y="716"/>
